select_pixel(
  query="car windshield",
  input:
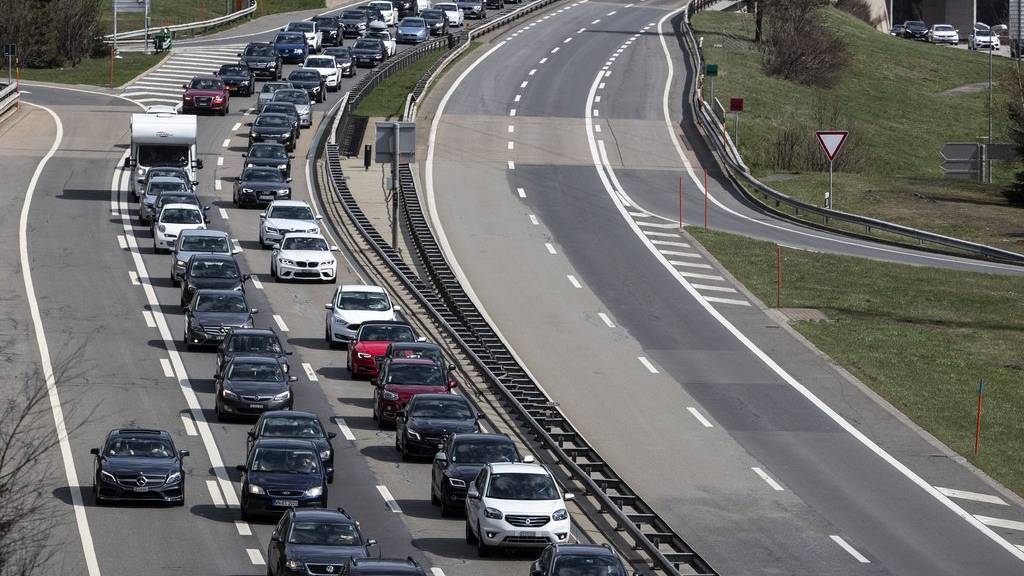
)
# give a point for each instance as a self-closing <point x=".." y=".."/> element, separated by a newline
<point x="263" y="175"/>
<point x="432" y="15"/>
<point x="300" y="26"/>
<point x="416" y="375"/>
<point x="424" y="353"/>
<point x="285" y="460"/>
<point x="291" y="213"/>
<point x="273" y="152"/>
<point x="379" y="35"/>
<point x="320" y="63"/>
<point x="295" y="97"/>
<point x="381" y="5"/>
<point x="286" y="108"/>
<point x="915" y="24"/>
<point x="943" y="28"/>
<point x="207" y="84"/>
<point x="165" y="186"/>
<point x="226" y="269"/>
<point x="446" y="7"/>
<point x="367" y="44"/>
<point x="273" y="87"/>
<point x="290" y="39"/>
<point x="586" y="566"/>
<point x="254" y="343"/>
<point x="140" y="447"/>
<point x="221" y="303"/>
<point x="985" y="33"/>
<point x="217" y="244"/>
<point x="155" y="155"/>
<point x="292" y="427"/>
<point x="413" y="23"/>
<point x="522" y="487"/>
<point x="324" y="534"/>
<point x="259" y="372"/>
<point x="304" y="75"/>
<point x="272" y="121"/>
<point x="375" y="301"/>
<point x="259" y="51"/>
<point x="302" y="243"/>
<point x="454" y="408"/>
<point x="345" y="52"/>
<point x="232" y="69"/>
<point x="177" y="198"/>
<point x="386" y="333"/>
<point x="181" y="216"/>
<point x="165" y="172"/>
<point x="476" y="452"/>
<point x="322" y="21"/>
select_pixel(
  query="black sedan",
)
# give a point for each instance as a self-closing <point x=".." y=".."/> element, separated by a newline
<point x="460" y="461"/>
<point x="436" y="21"/>
<point x="289" y="110"/>
<point x="251" y="385"/>
<point x="267" y="155"/>
<point x="331" y="28"/>
<point x="136" y="464"/>
<point x="915" y="30"/>
<point x="212" y="314"/>
<point x="343" y="57"/>
<point x="252" y="342"/>
<point x="262" y="60"/>
<point x="280" y="474"/>
<point x="354" y="23"/>
<point x="210" y="272"/>
<point x="324" y="541"/>
<point x="261" y="186"/>
<point x="293" y="424"/>
<point x="238" y="79"/>
<point x="311" y="81"/>
<point x="272" y="128"/>
<point x="368" y="52"/>
<point x="428" y="419"/>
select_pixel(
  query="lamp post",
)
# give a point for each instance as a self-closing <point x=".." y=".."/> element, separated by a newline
<point x="988" y="147"/>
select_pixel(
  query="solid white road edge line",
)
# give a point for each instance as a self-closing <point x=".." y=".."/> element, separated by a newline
<point x="607" y="321"/>
<point x="700" y="417"/>
<point x="647" y="364"/>
<point x="850" y="549"/>
<point x="389" y="500"/>
<point x="771" y="481"/>
<point x="81" y="520"/>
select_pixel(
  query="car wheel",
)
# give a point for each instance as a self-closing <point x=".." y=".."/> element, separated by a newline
<point x="398" y="445"/>
<point x="470" y="537"/>
<point x="184" y="339"/>
<point x="446" y="508"/>
<point x="433" y="496"/>
<point x="174" y="280"/>
<point x="482" y="549"/>
<point x="244" y="509"/>
<point x="220" y="413"/>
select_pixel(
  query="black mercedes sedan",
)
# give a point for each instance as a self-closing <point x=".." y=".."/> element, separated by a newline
<point x="211" y="272"/>
<point x="428" y="419"/>
<point x="320" y="541"/>
<point x="280" y="474"/>
<point x="262" y="60"/>
<point x="238" y="79"/>
<point x="459" y="462"/>
<point x="252" y="342"/>
<point x="269" y="155"/>
<point x="293" y="424"/>
<point x="212" y="313"/>
<point x="138" y="464"/>
<point x="368" y="52"/>
<point x="251" y="385"/>
<point x="261" y="186"/>
<point x="272" y="128"/>
<point x="311" y="81"/>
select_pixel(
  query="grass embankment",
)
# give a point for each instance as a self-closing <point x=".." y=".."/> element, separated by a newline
<point x="920" y="337"/>
<point x="172" y="12"/>
<point x="894" y="100"/>
<point x="96" y="71"/>
<point x="388" y="99"/>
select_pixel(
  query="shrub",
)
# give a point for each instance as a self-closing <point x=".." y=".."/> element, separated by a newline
<point x="799" y="47"/>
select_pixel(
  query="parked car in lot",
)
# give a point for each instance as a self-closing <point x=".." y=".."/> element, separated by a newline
<point x="300" y="98"/>
<point x="291" y="46"/>
<point x="315" y="542"/>
<point x="211" y="314"/>
<point x="516" y="506"/>
<point x="293" y="424"/>
<point x="437" y="21"/>
<point x="473" y="8"/>
<point x="282" y="474"/>
<point x="327" y="68"/>
<point x="311" y="81"/>
<point x="303" y="256"/>
<point x="331" y="29"/>
<point x="205" y="94"/>
<point x="343" y="59"/>
<point x="427" y="420"/>
<point x="260" y="186"/>
<point x="413" y="30"/>
<point x="238" y="78"/>
<point x="368" y="52"/>
<point x="915" y="30"/>
<point x="308" y="28"/>
<point x="943" y="34"/>
<point x="172" y="219"/>
<point x="211" y="272"/>
<point x="276" y="128"/>
<point x="252" y="342"/>
<point x="460" y="460"/>
<point x="352" y="305"/>
<point x="262" y="60"/>
<point x="456" y="17"/>
<point x="389" y="15"/>
<point x="366" y="350"/>
<point x="251" y="385"/>
<point x="267" y="93"/>
<point x="194" y="242"/>
<point x="983" y="40"/>
<point x="575" y="559"/>
<point x="399" y="381"/>
<point x="139" y="464"/>
<point x="285" y="217"/>
<point x="266" y="155"/>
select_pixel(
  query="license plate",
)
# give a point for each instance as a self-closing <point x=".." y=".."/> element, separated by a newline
<point x="140" y="489"/>
<point x="286" y="503"/>
<point x="266" y="197"/>
<point x="256" y="406"/>
<point x="527" y="533"/>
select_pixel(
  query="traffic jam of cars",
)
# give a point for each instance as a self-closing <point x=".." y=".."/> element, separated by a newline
<point x="507" y="498"/>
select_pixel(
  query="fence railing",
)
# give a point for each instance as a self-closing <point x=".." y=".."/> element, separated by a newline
<point x="785" y="206"/>
<point x="8" y="98"/>
<point x="202" y="25"/>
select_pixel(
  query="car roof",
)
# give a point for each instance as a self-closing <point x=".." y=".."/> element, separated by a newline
<point x="283" y="443"/>
<point x="204" y="232"/>
<point x="425" y="397"/>
<point x="288" y="203"/>
<point x="206" y="256"/>
<point x="385" y="565"/>
<point x="290" y="413"/>
<point x="140" y="431"/>
<point x="416" y="346"/>
<point x="252" y="332"/>
<point x="218" y="292"/>
<point x="255" y="360"/>
<point x="482" y="437"/>
<point x="323" y="514"/>
<point x="385" y="323"/>
<point x="361" y="288"/>
<point x="583" y="549"/>
<point x="304" y="235"/>
<point x="165" y="180"/>
<point x="517" y="468"/>
<point x="411" y="362"/>
<point x="205" y="77"/>
<point x="181" y="206"/>
<point x="273" y="114"/>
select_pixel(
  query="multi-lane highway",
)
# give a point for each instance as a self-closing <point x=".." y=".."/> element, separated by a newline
<point x="551" y="171"/>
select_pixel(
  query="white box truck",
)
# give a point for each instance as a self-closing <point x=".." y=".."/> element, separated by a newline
<point x="162" y="138"/>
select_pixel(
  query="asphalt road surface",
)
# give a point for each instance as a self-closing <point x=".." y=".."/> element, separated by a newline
<point x="552" y="176"/>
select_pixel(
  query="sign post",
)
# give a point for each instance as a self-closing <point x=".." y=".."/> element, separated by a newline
<point x="736" y="106"/>
<point x="831" y="142"/>
<point x="131" y="6"/>
<point x="977" y="426"/>
<point x="396" y="144"/>
<point x="10" y="50"/>
<point x="964" y="160"/>
<point x="711" y="71"/>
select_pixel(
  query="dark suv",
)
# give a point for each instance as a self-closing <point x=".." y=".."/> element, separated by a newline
<point x="460" y="460"/>
<point x="320" y="541"/>
<point x="573" y="559"/>
<point x="428" y="419"/>
<point x="262" y="60"/>
<point x="138" y="464"/>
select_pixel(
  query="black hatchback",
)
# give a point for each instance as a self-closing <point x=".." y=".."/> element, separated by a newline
<point x="139" y="464"/>
<point x="276" y="128"/>
<point x="428" y="419"/>
<point x="293" y="424"/>
<point x="311" y="81"/>
<point x="320" y="541"/>
<point x="279" y="474"/>
<point x="251" y="385"/>
<point x="368" y="52"/>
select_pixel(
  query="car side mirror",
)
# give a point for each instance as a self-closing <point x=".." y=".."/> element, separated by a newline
<point x="245" y="155"/>
<point x="288" y="179"/>
<point x="396" y="308"/>
<point x="239" y="54"/>
<point x="330" y="474"/>
<point x="451" y="367"/>
<point x="568" y="496"/>
<point x="421" y="339"/>
<point x="319" y="217"/>
<point x="473" y="494"/>
<point x="240" y="467"/>
<point x="371" y="542"/>
<point x="291" y="156"/>
<point x="535" y="569"/>
<point x="293" y="378"/>
<point x="140" y="180"/>
<point x="236" y="250"/>
<point x="128" y="162"/>
<point x="289" y="353"/>
<point x="238" y="178"/>
<point x="251" y="434"/>
<point x="274" y="536"/>
<point x="246" y="277"/>
<point x="453" y="385"/>
<point x="184" y="86"/>
<point x="400" y="414"/>
<point x="183" y="453"/>
<point x="94" y="451"/>
<point x="328" y="307"/>
<point x="254" y="311"/>
<point x="374" y="382"/>
<point x="263" y="214"/>
<point x="205" y="208"/>
<point x="332" y="435"/>
<point x="275" y="246"/>
<point x="529" y="459"/>
<point x="440" y="457"/>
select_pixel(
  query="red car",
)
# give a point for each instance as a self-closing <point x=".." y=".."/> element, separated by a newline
<point x="366" y="350"/>
<point x="403" y="378"/>
<point x="205" y="93"/>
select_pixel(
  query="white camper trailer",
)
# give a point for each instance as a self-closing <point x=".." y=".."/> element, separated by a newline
<point x="162" y="138"/>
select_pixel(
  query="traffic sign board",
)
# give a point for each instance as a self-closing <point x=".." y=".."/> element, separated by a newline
<point x="961" y="151"/>
<point x="10" y="49"/>
<point x="831" y="142"/>
<point x="711" y="70"/>
<point x="735" y="104"/>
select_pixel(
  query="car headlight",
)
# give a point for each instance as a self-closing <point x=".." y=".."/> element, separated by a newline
<point x="174" y="477"/>
<point x="363" y="355"/>
<point x="283" y="395"/>
<point x="254" y="489"/>
<point x="249" y="165"/>
<point x="280" y="166"/>
<point x="327" y="263"/>
<point x="286" y="262"/>
<point x="107" y="476"/>
<point x="162" y="228"/>
<point x="179" y="263"/>
<point x="293" y="565"/>
<point x="560" y="514"/>
<point x="314" y="491"/>
<point x="493" y="513"/>
<point x="325" y="455"/>
<point x="272" y="230"/>
<point x="247" y="190"/>
<point x="229" y="394"/>
<point x="389" y="395"/>
<point x="283" y="192"/>
<point x="411" y="432"/>
<point x="455" y="482"/>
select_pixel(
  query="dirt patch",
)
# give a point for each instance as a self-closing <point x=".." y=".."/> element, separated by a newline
<point x="967" y="89"/>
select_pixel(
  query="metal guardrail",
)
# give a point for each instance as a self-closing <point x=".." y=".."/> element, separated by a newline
<point x="785" y="206"/>
<point x="9" y="96"/>
<point x="202" y="25"/>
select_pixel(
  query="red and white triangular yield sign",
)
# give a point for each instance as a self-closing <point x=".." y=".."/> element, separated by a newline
<point x="831" y="142"/>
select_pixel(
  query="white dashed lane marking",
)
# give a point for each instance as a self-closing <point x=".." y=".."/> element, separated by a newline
<point x="255" y="556"/>
<point x="310" y="373"/>
<point x="533" y="220"/>
<point x="647" y="364"/>
<point x="346" y="432"/>
<point x="215" y="496"/>
<point x="700" y="417"/>
<point x="768" y="479"/>
<point x="550" y="247"/>
<point x="243" y="528"/>
<point x="389" y="500"/>
<point x="190" y="426"/>
<point x="607" y="321"/>
<point x="150" y="322"/>
<point x="165" y="364"/>
<point x="849" y="549"/>
<point x="521" y="192"/>
<point x="224" y="214"/>
<point x="133" y="277"/>
<point x="280" y="323"/>
<point x="572" y="280"/>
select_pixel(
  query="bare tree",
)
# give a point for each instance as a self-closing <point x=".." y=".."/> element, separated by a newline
<point x="77" y="24"/>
